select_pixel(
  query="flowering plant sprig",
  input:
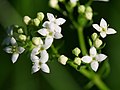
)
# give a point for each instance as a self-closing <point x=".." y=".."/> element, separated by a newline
<point x="39" y="35"/>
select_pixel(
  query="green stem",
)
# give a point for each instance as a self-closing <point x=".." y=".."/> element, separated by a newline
<point x="81" y="41"/>
<point x="90" y="75"/>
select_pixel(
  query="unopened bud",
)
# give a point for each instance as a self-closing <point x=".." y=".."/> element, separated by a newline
<point x="27" y="20"/>
<point x="73" y="3"/>
<point x="20" y="30"/>
<point x="36" y="41"/>
<point x="36" y="21"/>
<point x="63" y="59"/>
<point x="77" y="60"/>
<point x="53" y="3"/>
<point x="88" y="9"/>
<point x="76" y="51"/>
<point x="94" y="36"/>
<point x="81" y="9"/>
<point x="89" y="15"/>
<point x="22" y="37"/>
<point x="40" y="16"/>
<point x="98" y="43"/>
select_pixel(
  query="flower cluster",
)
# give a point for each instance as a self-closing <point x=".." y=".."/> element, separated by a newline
<point x="20" y="40"/>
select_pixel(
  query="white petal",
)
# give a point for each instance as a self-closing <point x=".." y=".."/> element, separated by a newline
<point x="35" y="67"/>
<point x="34" y="58"/>
<point x="94" y="65"/>
<point x="60" y="21"/>
<point x="46" y="24"/>
<point x="97" y="27"/>
<point x="101" y="57"/>
<point x="93" y="52"/>
<point x="103" y="34"/>
<point x="21" y="49"/>
<point x="8" y="49"/>
<point x="58" y="35"/>
<point x="86" y="59"/>
<point x="50" y="17"/>
<point x="13" y="41"/>
<point x="111" y="31"/>
<point x="57" y="28"/>
<point x="48" y="42"/>
<point x="43" y="32"/>
<point x="103" y="23"/>
<point x="44" y="56"/>
<point x="45" y="68"/>
<point x="15" y="57"/>
<point x="35" y="51"/>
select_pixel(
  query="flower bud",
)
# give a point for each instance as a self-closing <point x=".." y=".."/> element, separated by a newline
<point x="36" y="41"/>
<point x="81" y="9"/>
<point x="27" y="19"/>
<point x="94" y="36"/>
<point x="36" y="21"/>
<point x="76" y="51"/>
<point x="63" y="59"/>
<point x="53" y="3"/>
<point x="22" y="37"/>
<point x="73" y="3"/>
<point x="77" y="60"/>
<point x="88" y="13"/>
<point x="20" y="30"/>
<point x="40" y="16"/>
<point x="98" y="43"/>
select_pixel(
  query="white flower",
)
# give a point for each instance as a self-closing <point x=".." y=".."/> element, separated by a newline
<point x="103" y="28"/>
<point x="14" y="49"/>
<point x="94" y="58"/>
<point x="40" y="63"/>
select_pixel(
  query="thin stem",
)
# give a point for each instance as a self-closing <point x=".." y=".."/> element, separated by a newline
<point x="81" y="41"/>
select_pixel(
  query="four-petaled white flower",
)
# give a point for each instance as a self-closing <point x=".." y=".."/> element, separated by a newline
<point x="14" y="49"/>
<point x="51" y="28"/>
<point x="39" y="63"/>
<point x="93" y="58"/>
<point x="103" y="28"/>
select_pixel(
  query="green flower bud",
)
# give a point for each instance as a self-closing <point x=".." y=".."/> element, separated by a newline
<point x="22" y="37"/>
<point x="98" y="43"/>
<point x="94" y="36"/>
<point x="88" y="15"/>
<point x="54" y="3"/>
<point x="88" y="9"/>
<point x="76" y="51"/>
<point x="77" y="60"/>
<point x="27" y="19"/>
<point x="40" y="16"/>
<point x="63" y="59"/>
<point x="36" y="41"/>
<point x="81" y="9"/>
<point x="36" y="21"/>
<point x="73" y="3"/>
<point x="20" y="30"/>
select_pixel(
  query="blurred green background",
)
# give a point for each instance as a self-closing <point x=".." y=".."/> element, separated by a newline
<point x="18" y="76"/>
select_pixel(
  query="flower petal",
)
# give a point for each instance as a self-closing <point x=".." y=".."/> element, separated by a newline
<point x="111" y="31"/>
<point x="43" y="32"/>
<point x="94" y="65"/>
<point x="58" y="35"/>
<point x="45" y="68"/>
<point x="60" y="21"/>
<point x="93" y="52"/>
<point x="21" y="50"/>
<point x="46" y="24"/>
<point x="34" y="58"/>
<point x="35" y="67"/>
<point x="13" y="41"/>
<point x="103" y="34"/>
<point x="8" y="49"/>
<point x="48" y="42"/>
<point x="101" y="57"/>
<point x="103" y="23"/>
<point x="15" y="57"/>
<point x="44" y="56"/>
<point x="86" y="59"/>
<point x="35" y="51"/>
<point x="102" y="0"/>
<point x="57" y="28"/>
<point x="50" y="17"/>
<point x="97" y="27"/>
